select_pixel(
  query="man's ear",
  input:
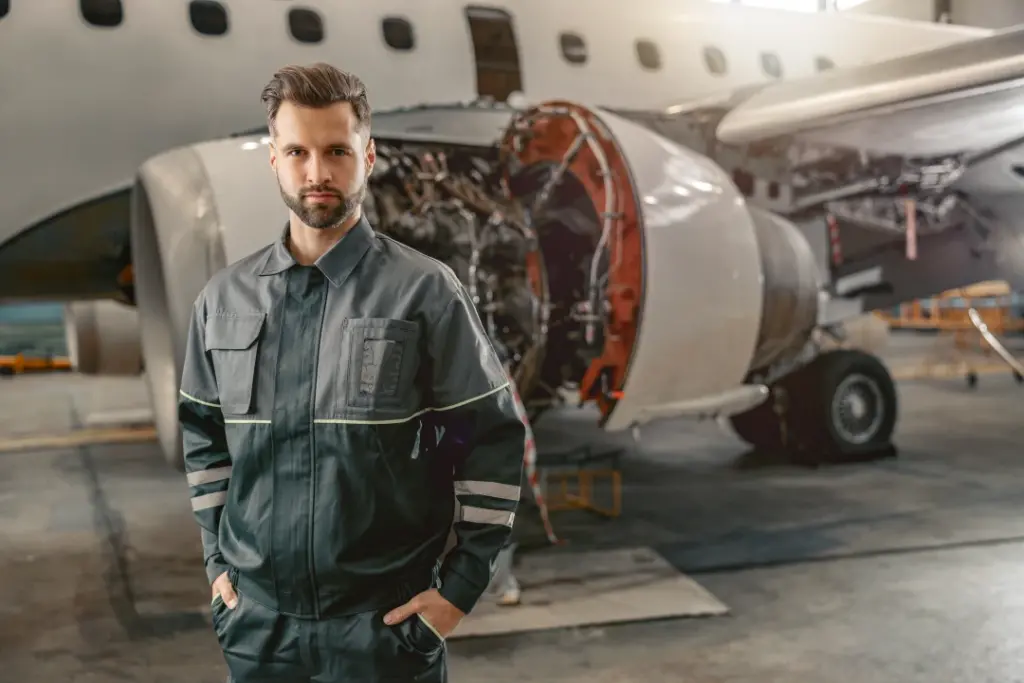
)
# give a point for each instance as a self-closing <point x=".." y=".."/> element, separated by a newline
<point x="273" y="155"/>
<point x="371" y="156"/>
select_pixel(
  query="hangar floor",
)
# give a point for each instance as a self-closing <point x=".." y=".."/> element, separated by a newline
<point x="905" y="569"/>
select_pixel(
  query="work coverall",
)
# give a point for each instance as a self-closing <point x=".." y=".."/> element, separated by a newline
<point x="313" y="400"/>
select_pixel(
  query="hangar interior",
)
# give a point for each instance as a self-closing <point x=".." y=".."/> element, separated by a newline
<point x="754" y="268"/>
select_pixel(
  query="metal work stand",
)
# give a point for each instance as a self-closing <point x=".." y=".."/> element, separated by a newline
<point x="569" y="478"/>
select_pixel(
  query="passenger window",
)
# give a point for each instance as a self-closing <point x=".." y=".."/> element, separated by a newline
<point x="824" y="64"/>
<point x="714" y="60"/>
<point x="305" y="25"/>
<point x="398" y="33"/>
<point x="208" y="17"/>
<point x="574" y="50"/>
<point x="104" y="13"/>
<point x="648" y="55"/>
<point x="5" y="7"/>
<point x="771" y="64"/>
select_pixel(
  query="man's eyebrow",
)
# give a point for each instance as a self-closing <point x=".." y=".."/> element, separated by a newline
<point x="331" y="145"/>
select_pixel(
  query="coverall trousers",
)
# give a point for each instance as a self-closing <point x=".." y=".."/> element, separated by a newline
<point x="262" y="645"/>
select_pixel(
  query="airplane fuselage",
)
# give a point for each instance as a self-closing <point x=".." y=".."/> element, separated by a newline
<point x="85" y="104"/>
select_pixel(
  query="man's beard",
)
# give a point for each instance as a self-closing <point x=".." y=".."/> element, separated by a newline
<point x="324" y="216"/>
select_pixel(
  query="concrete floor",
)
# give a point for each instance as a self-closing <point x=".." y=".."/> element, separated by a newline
<point x="901" y="570"/>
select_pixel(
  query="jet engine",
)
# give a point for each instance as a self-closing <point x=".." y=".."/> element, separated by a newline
<point x="604" y="259"/>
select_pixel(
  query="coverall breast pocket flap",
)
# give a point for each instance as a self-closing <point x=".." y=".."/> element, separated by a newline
<point x="382" y="359"/>
<point x="233" y="343"/>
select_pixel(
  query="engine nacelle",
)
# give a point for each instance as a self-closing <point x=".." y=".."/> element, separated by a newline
<point x="676" y="243"/>
<point x="102" y="338"/>
<point x="602" y="255"/>
<point x="792" y="281"/>
<point x="194" y="210"/>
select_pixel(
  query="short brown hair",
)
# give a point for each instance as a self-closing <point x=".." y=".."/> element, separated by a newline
<point x="316" y="85"/>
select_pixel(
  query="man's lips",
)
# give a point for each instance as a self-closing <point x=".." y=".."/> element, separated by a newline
<point x="320" y="196"/>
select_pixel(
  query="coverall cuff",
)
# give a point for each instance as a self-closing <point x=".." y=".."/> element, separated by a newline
<point x="215" y="566"/>
<point x="460" y="592"/>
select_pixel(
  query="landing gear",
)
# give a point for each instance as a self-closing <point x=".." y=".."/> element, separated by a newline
<point x="762" y="426"/>
<point x="841" y="406"/>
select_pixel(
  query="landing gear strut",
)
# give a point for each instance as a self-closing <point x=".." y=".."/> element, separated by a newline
<point x="841" y="406"/>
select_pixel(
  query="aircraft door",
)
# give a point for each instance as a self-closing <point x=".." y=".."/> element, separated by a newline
<point x="496" y="52"/>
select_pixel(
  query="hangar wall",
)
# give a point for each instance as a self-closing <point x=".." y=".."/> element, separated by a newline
<point x="988" y="14"/>
<point x="918" y="10"/>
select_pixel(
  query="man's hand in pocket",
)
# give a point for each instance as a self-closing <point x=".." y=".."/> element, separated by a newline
<point x="442" y="615"/>
<point x="222" y="587"/>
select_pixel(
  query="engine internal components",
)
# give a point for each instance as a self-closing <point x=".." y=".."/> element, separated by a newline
<point x="451" y="205"/>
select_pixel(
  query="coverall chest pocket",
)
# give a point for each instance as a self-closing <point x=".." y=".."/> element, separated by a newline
<point x="380" y="357"/>
<point x="233" y="344"/>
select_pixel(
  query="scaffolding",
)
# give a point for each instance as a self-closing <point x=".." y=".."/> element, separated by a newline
<point x="968" y="323"/>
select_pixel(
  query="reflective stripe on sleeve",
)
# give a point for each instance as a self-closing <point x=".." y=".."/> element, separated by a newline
<point x="198" y="400"/>
<point x="208" y="476"/>
<point x="485" y="516"/>
<point x="472" y="399"/>
<point x="209" y="500"/>
<point x="487" y="488"/>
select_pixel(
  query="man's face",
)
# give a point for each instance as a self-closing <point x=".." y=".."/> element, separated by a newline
<point x="322" y="161"/>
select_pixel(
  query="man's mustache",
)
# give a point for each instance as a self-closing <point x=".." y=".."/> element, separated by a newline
<point x="319" y="190"/>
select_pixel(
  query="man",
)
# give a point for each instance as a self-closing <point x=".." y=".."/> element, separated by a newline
<point x="320" y="375"/>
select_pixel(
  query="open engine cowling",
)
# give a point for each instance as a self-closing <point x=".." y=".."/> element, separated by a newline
<point x="602" y="256"/>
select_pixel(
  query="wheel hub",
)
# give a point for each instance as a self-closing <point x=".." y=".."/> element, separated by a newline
<point x="857" y="408"/>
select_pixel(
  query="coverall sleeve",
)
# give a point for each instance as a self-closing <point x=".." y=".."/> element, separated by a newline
<point x="207" y="463"/>
<point x="476" y="405"/>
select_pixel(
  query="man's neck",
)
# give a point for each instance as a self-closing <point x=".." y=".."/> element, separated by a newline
<point x="308" y="244"/>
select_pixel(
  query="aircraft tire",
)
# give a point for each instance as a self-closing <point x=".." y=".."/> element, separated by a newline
<point x="845" y="406"/>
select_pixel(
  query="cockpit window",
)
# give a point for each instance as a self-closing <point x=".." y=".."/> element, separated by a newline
<point x="5" y="7"/>
<point x="398" y="34"/>
<point x="104" y="13"/>
<point x="305" y="25"/>
<point x="648" y="55"/>
<point x="208" y="17"/>
<point x="574" y="50"/>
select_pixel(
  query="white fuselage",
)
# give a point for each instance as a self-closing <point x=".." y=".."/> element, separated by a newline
<point x="84" y="106"/>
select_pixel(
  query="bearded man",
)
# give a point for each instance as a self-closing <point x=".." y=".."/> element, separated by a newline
<point x="322" y="376"/>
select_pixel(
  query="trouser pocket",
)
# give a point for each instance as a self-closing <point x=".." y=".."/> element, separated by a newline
<point x="426" y="633"/>
<point x="260" y="644"/>
<point x="224" y="617"/>
<point x="363" y="648"/>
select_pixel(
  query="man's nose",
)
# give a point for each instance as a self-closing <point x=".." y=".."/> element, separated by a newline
<point x="317" y="171"/>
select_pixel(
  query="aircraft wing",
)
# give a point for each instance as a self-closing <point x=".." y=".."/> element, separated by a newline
<point x="965" y="97"/>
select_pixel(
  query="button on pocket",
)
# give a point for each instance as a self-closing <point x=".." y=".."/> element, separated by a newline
<point x="382" y="357"/>
<point x="232" y="341"/>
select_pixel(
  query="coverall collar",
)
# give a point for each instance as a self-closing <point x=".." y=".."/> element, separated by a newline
<point x="337" y="262"/>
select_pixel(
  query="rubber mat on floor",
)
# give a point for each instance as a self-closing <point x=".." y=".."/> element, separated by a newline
<point x="563" y="589"/>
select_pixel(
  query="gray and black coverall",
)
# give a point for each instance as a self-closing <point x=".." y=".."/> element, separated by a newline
<point x="313" y="400"/>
